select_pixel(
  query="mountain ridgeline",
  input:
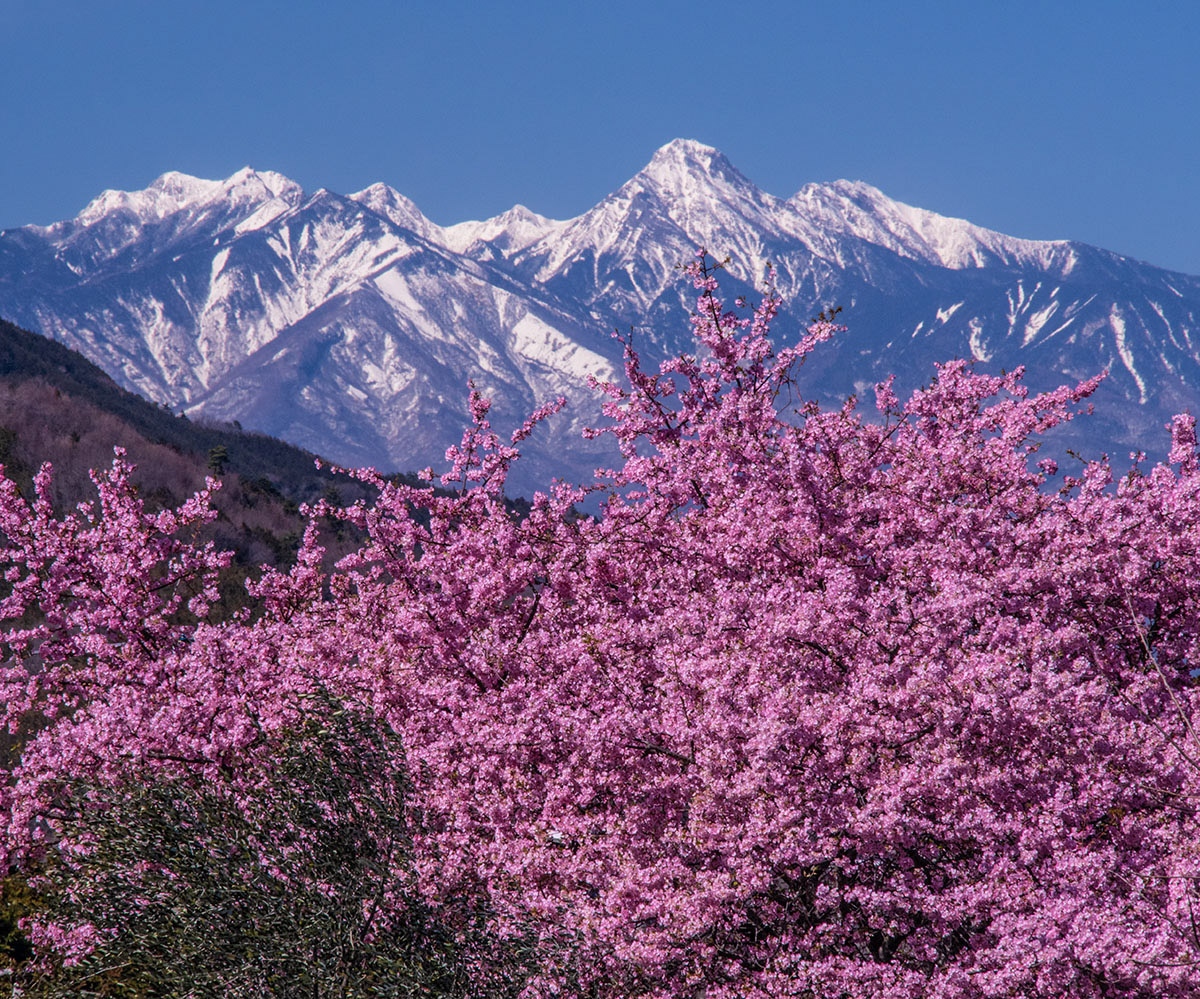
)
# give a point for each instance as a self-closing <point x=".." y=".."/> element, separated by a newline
<point x="350" y="324"/>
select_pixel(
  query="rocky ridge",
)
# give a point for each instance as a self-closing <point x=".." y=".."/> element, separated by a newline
<point x="350" y="324"/>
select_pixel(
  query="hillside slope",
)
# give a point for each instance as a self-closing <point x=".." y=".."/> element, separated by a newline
<point x="57" y="406"/>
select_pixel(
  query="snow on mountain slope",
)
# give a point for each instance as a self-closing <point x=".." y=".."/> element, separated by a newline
<point x="623" y="254"/>
<point x="509" y="232"/>
<point x="852" y="209"/>
<point x="172" y="209"/>
<point x="342" y="324"/>
<point x="351" y="324"/>
<point x="397" y="209"/>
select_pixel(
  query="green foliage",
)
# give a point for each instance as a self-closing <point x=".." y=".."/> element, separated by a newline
<point x="299" y="888"/>
<point x="14" y="467"/>
<point x="17" y="900"/>
<point x="218" y="459"/>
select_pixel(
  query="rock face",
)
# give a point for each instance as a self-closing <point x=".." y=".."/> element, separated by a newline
<point x="350" y="324"/>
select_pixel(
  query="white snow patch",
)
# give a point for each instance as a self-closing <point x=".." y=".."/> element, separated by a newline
<point x="1036" y="322"/>
<point x="1158" y="309"/>
<point x="263" y="215"/>
<point x="388" y="385"/>
<point x="356" y="393"/>
<point x="978" y="350"/>
<point x="943" y="315"/>
<point x="394" y="286"/>
<point x="538" y="341"/>
<point x="1117" y="322"/>
<point x="218" y="264"/>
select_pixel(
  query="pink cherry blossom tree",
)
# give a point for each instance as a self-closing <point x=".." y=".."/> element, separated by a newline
<point x="817" y="705"/>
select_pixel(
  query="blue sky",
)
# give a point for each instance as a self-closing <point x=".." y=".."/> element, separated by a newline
<point x="1047" y="120"/>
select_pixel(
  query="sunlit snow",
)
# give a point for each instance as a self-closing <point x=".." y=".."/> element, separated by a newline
<point x="1117" y="321"/>
<point x="537" y="341"/>
<point x="525" y="302"/>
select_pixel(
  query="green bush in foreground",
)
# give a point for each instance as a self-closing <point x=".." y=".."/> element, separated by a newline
<point x="193" y="889"/>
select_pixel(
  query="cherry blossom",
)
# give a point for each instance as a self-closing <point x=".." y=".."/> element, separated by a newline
<point x="819" y="702"/>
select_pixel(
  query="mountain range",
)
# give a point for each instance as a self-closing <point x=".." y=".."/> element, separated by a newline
<point x="349" y="324"/>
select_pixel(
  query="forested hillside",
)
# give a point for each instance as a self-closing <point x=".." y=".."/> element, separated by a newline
<point x="59" y="406"/>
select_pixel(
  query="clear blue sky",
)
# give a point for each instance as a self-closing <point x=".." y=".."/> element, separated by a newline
<point x="1046" y="120"/>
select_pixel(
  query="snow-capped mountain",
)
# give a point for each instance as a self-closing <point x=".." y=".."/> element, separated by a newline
<point x="349" y="324"/>
<point x="341" y="323"/>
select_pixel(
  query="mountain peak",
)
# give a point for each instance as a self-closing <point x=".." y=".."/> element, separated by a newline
<point x="183" y="187"/>
<point x="678" y="149"/>
<point x="687" y="156"/>
<point x="378" y="190"/>
<point x="514" y="229"/>
<point x="174" y="191"/>
<point x="855" y="208"/>
<point x="380" y="196"/>
<point x="259" y="183"/>
<point x="685" y="167"/>
<point x="166" y="194"/>
<point x="519" y="213"/>
<point x="398" y="209"/>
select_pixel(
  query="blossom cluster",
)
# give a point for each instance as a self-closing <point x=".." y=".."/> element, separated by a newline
<point x="819" y="703"/>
